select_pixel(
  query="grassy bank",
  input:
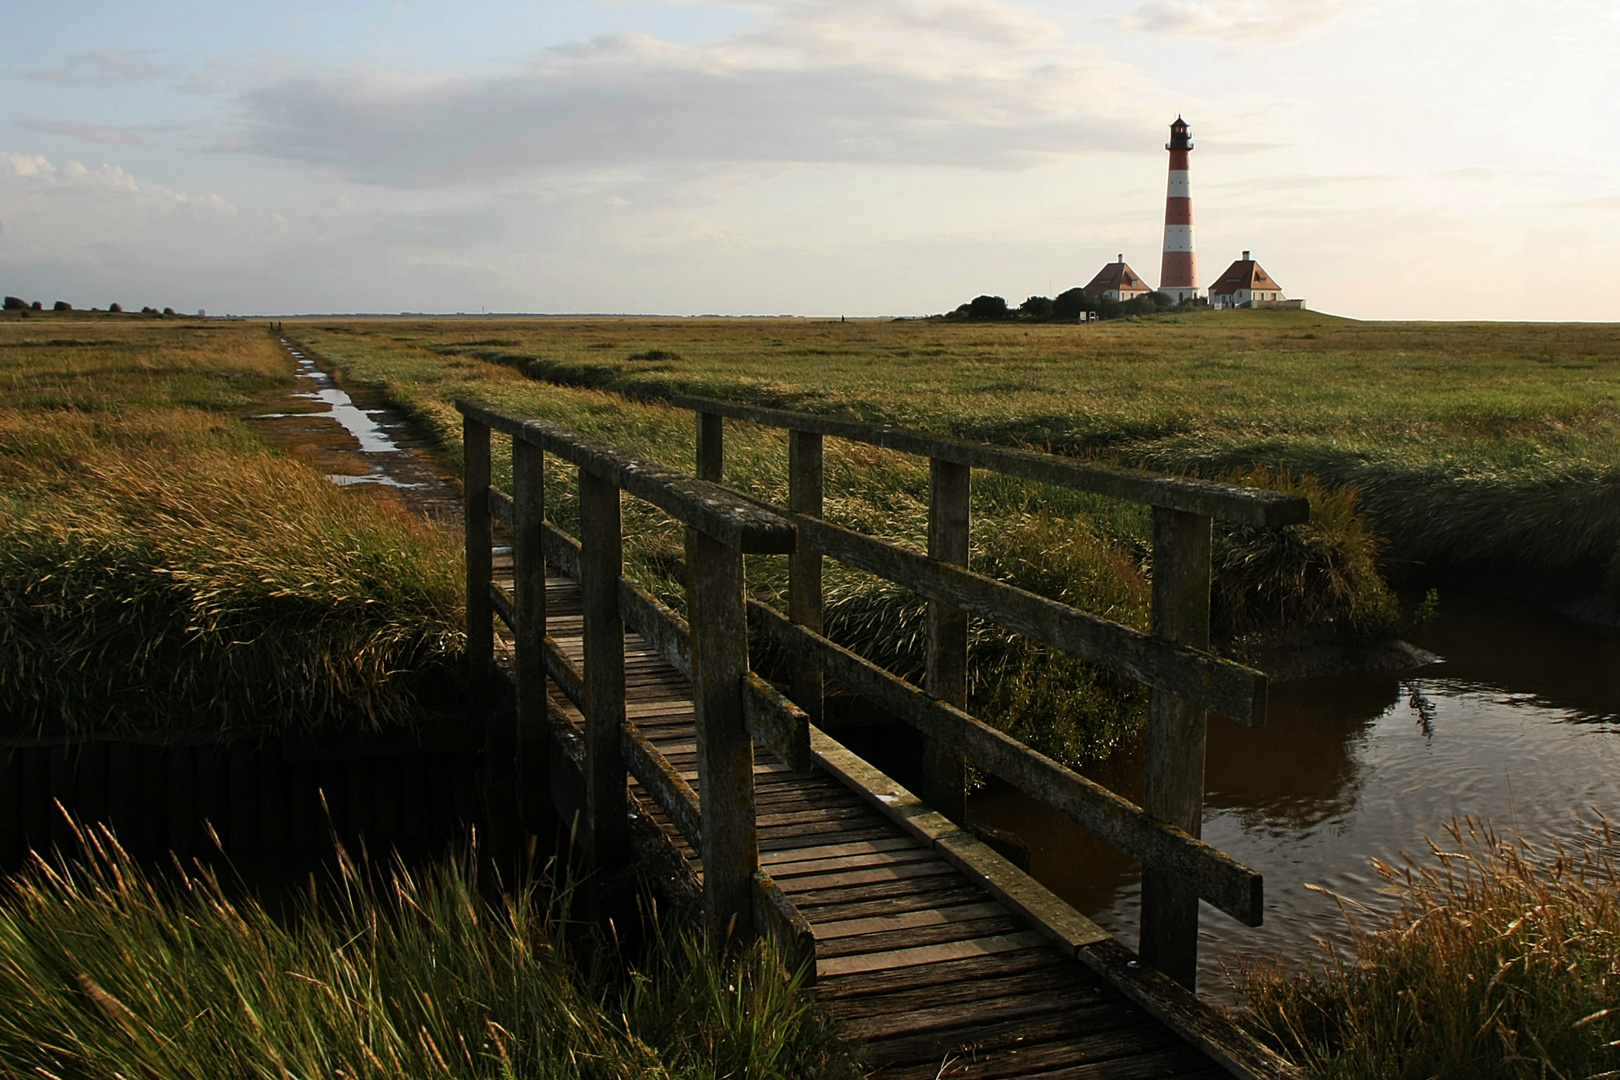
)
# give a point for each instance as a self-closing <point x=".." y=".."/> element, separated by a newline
<point x="1500" y="963"/>
<point x="1088" y="551"/>
<point x="1468" y="443"/>
<point x="107" y="971"/>
<point x="163" y="570"/>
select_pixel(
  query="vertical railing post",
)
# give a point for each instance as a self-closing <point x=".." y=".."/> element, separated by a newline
<point x="711" y="453"/>
<point x="805" y="479"/>
<point x="480" y="613"/>
<point x="1175" y="738"/>
<point x="944" y="774"/>
<point x="529" y="599"/>
<point x="601" y="563"/>
<point x="725" y="753"/>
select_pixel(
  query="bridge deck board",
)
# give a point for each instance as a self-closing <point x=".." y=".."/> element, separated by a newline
<point x="932" y="975"/>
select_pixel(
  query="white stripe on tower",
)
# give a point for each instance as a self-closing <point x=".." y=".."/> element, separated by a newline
<point x="1178" y="273"/>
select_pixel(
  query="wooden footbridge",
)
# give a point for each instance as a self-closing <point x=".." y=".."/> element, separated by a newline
<point x="941" y="957"/>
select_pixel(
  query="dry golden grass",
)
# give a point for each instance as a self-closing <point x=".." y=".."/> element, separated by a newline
<point x="161" y="570"/>
<point x="1503" y="961"/>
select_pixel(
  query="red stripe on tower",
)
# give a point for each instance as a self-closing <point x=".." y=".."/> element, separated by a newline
<point x="1178" y="274"/>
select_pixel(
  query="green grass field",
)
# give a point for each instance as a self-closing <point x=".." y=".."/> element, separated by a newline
<point x="109" y="970"/>
<point x="1469" y="443"/>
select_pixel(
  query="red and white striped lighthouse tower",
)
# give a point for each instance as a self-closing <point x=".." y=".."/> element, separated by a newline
<point x="1178" y="275"/>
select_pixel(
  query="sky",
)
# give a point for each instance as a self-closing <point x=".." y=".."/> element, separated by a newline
<point x="1383" y="159"/>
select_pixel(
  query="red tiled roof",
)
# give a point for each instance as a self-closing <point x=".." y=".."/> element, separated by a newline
<point x="1117" y="276"/>
<point x="1243" y="274"/>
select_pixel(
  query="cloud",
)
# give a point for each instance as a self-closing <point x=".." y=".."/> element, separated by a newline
<point x="96" y="133"/>
<point x="1600" y="202"/>
<point x="1235" y="20"/>
<point x="978" y="83"/>
<point x="22" y="174"/>
<point x="104" y="66"/>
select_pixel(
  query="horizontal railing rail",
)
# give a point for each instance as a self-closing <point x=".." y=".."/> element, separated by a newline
<point x="1223" y="502"/>
<point x="711" y="509"/>
<point x="1231" y="689"/>
<point x="1219" y="879"/>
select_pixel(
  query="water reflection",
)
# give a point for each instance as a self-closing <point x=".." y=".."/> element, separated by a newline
<point x="354" y="443"/>
<point x="1518" y="725"/>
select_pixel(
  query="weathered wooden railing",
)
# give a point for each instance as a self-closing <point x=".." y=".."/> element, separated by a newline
<point x="733" y="706"/>
<point x="1185" y="680"/>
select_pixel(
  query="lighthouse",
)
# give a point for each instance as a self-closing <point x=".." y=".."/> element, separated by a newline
<point x="1178" y="274"/>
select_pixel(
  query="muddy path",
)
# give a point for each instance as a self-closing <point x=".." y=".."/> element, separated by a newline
<point x="357" y="440"/>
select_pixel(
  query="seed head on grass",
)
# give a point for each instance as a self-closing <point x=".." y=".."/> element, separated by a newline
<point x="1501" y="961"/>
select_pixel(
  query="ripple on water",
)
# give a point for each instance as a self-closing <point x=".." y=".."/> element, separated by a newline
<point x="1518" y="726"/>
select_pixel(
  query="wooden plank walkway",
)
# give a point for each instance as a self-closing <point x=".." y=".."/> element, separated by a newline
<point x="927" y="970"/>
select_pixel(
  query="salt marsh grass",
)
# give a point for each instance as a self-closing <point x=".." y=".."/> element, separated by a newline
<point x="109" y="970"/>
<point x="1469" y="443"/>
<point x="1500" y="962"/>
<point x="162" y="571"/>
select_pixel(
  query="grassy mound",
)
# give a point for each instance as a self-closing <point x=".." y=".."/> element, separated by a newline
<point x="109" y="972"/>
<point x="1500" y="963"/>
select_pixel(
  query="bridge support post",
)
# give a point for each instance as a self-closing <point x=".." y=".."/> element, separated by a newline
<point x="805" y="476"/>
<point x="601" y="562"/>
<point x="944" y="772"/>
<point x="1175" y="738"/>
<point x="529" y="586"/>
<point x="480" y="614"/>
<point x="730" y="847"/>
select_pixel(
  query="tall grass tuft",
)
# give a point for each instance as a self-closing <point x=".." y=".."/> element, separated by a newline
<point x="107" y="971"/>
<point x="1321" y="576"/>
<point x="1502" y="961"/>
<point x="159" y="573"/>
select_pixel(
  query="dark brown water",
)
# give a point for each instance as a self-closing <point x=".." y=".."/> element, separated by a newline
<point x="1519" y="725"/>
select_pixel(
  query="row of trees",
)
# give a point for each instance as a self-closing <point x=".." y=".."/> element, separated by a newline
<point x="17" y="303"/>
<point x="1068" y="306"/>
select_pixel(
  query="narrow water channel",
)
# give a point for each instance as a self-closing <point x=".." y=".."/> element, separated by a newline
<point x="356" y="443"/>
<point x="1520" y="725"/>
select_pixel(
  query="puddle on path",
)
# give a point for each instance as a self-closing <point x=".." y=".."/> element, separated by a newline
<point x="1520" y="725"/>
<point x="355" y="444"/>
